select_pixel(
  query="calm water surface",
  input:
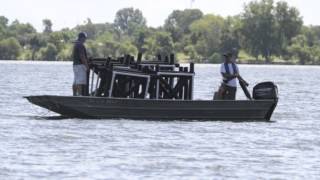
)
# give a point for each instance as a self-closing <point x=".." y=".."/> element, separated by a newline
<point x="33" y="147"/>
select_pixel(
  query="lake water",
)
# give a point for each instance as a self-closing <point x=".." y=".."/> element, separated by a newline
<point x="33" y="147"/>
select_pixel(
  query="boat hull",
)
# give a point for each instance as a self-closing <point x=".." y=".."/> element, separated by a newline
<point x="148" y="109"/>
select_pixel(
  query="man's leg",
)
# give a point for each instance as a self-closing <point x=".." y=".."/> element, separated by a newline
<point x="78" y="90"/>
<point x="85" y="90"/>
<point x="230" y="93"/>
<point x="233" y="93"/>
<point x="83" y="80"/>
<point x="74" y="90"/>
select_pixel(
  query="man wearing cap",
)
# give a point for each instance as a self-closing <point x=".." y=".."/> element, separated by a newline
<point x="80" y="65"/>
<point x="229" y="71"/>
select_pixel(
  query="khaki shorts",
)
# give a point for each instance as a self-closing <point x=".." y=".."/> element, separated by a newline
<point x="80" y="74"/>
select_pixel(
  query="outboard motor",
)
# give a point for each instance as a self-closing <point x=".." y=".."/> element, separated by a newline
<point x="265" y="90"/>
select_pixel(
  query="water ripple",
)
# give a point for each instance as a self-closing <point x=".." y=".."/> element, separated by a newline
<point x="37" y="144"/>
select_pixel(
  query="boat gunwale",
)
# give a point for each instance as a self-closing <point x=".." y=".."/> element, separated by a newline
<point x="162" y="100"/>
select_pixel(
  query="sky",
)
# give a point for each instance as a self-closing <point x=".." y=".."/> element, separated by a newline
<point x="69" y="13"/>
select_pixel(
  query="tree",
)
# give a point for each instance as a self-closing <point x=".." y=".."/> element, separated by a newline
<point x="259" y="28"/>
<point x="65" y="53"/>
<point x="93" y="48"/>
<point x="3" y="26"/>
<point x="36" y="42"/>
<point x="58" y="39"/>
<point x="265" y="28"/>
<point x="160" y="43"/>
<point x="21" y="31"/>
<point x="312" y="33"/>
<point x="289" y="24"/>
<point x="191" y="52"/>
<point x="10" y="49"/>
<point x="306" y="53"/>
<point x="105" y="45"/>
<point x="49" y="52"/>
<point x="128" y="20"/>
<point x="47" y="25"/>
<point x="4" y="21"/>
<point x="89" y="28"/>
<point x="178" y="22"/>
<point x="268" y="28"/>
<point x="139" y="38"/>
<point x="127" y="48"/>
<point x="300" y="49"/>
<point x="231" y="34"/>
<point x="208" y="32"/>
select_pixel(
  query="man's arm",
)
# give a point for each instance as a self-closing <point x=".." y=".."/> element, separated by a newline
<point x="229" y="76"/>
<point x="241" y="79"/>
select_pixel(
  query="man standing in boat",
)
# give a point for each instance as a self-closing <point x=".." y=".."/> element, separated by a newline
<point x="80" y="65"/>
<point x="230" y="72"/>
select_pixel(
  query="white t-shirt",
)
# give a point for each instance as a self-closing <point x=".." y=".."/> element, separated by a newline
<point x="232" y="82"/>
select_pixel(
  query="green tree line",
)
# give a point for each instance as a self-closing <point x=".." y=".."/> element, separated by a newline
<point x="264" y="32"/>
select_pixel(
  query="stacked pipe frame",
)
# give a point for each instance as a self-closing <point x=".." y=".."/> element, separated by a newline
<point x="125" y="77"/>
